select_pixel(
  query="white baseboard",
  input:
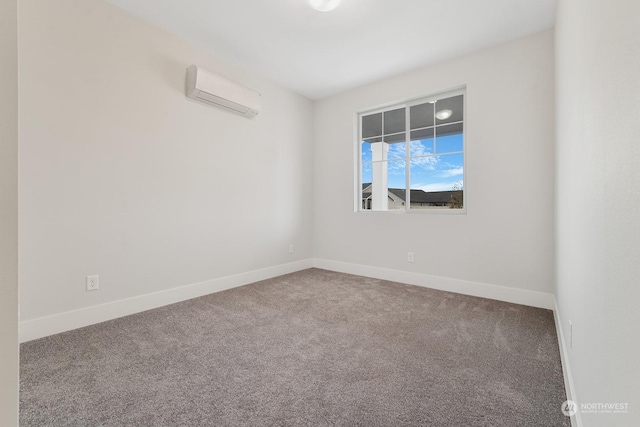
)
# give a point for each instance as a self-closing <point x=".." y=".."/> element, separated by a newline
<point x="576" y="420"/>
<point x="484" y="290"/>
<point x="62" y="322"/>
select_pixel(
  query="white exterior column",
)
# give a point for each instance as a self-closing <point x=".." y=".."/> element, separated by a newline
<point x="379" y="185"/>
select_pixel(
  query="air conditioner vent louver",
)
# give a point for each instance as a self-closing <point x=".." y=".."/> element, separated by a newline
<point x="214" y="90"/>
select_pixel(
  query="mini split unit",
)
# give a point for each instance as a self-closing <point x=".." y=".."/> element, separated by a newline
<point x="211" y="89"/>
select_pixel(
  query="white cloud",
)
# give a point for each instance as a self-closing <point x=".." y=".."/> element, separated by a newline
<point x="438" y="186"/>
<point x="396" y="151"/>
<point x="426" y="163"/>
<point x="452" y="172"/>
<point x="419" y="149"/>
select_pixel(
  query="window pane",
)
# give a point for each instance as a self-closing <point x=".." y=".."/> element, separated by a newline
<point x="422" y="143"/>
<point x="397" y="151"/>
<point x="383" y="185"/>
<point x="397" y="174"/>
<point x="366" y="186"/>
<point x="449" y="138"/>
<point x="366" y="152"/>
<point x="437" y="182"/>
<point x="422" y="134"/>
<point x="371" y="125"/>
<point x="396" y="137"/>
<point x="396" y="184"/>
<point x="421" y="115"/>
<point x="394" y="121"/>
<point x="449" y="110"/>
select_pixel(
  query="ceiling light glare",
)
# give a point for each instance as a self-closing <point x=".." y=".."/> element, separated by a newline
<point x="443" y="114"/>
<point x="323" y="5"/>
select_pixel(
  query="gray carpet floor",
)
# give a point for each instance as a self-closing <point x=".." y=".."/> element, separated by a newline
<point x="313" y="348"/>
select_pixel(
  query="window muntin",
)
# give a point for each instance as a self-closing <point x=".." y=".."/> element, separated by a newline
<point x="433" y="147"/>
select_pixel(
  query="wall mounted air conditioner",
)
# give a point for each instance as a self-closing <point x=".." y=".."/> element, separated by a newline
<point x="215" y="90"/>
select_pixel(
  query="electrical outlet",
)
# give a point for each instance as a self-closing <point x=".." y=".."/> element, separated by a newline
<point x="291" y="248"/>
<point x="92" y="283"/>
<point x="410" y="256"/>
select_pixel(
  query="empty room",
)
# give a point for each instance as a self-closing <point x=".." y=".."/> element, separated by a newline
<point x="320" y="212"/>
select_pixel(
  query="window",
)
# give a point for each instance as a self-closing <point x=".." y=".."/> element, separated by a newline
<point x="411" y="156"/>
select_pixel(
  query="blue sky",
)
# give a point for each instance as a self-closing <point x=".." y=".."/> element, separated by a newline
<point x="429" y="172"/>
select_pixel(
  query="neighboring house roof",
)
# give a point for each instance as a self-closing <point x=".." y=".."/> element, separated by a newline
<point x="420" y="196"/>
<point x="417" y="196"/>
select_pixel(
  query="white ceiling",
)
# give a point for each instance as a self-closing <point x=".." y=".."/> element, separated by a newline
<point x="318" y="54"/>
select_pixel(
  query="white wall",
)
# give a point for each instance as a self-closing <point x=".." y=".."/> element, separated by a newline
<point x="122" y="176"/>
<point x="506" y="237"/>
<point x="8" y="213"/>
<point x="598" y="203"/>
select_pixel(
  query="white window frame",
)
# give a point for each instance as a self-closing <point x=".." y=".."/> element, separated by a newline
<point x="407" y="104"/>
